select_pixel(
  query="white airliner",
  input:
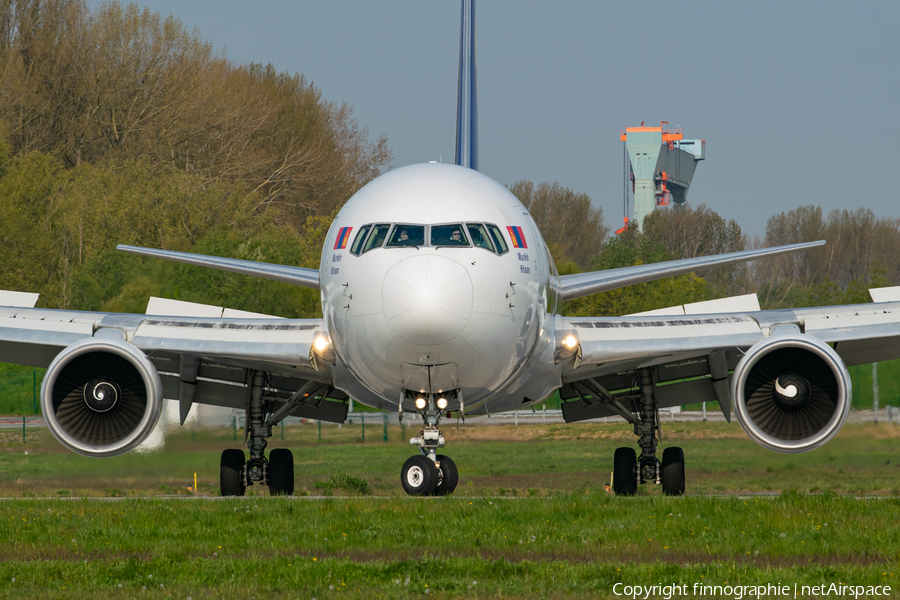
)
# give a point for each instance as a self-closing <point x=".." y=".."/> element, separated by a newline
<point x="440" y="296"/>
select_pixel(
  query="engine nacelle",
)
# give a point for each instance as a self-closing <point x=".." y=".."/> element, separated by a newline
<point x="791" y="393"/>
<point x="101" y="397"/>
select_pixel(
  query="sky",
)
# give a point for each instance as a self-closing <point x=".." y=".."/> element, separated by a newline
<point x="799" y="101"/>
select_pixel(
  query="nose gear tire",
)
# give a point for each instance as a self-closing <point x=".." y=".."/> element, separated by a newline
<point x="419" y="476"/>
<point x="450" y="476"/>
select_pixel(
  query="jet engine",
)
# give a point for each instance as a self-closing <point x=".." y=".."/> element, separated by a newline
<point x="101" y="397"/>
<point x="791" y="393"/>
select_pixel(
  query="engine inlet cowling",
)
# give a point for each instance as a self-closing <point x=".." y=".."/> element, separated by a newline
<point x="791" y="393"/>
<point x="101" y="397"/>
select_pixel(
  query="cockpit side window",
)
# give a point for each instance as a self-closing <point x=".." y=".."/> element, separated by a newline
<point x="407" y="235"/>
<point x="376" y="238"/>
<point x="497" y="236"/>
<point x="448" y="235"/>
<point x="360" y="238"/>
<point x="479" y="236"/>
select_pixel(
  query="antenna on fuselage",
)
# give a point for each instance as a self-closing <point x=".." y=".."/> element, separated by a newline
<point x="466" y="103"/>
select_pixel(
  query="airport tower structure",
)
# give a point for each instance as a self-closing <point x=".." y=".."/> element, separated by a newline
<point x="659" y="165"/>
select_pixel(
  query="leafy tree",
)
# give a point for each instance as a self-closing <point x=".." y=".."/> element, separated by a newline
<point x="29" y="203"/>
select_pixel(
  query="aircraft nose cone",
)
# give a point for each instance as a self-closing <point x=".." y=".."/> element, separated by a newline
<point x="427" y="299"/>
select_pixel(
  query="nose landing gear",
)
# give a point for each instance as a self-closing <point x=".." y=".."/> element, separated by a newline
<point x="429" y="473"/>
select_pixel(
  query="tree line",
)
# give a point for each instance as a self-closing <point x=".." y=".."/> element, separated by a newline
<point x="862" y="251"/>
<point x="120" y="126"/>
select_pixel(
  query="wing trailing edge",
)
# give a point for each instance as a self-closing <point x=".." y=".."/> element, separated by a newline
<point x="294" y="275"/>
<point x="585" y="284"/>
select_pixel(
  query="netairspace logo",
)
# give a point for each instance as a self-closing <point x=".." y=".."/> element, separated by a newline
<point x="739" y="592"/>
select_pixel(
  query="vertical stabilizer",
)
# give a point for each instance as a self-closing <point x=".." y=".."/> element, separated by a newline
<point x="467" y="104"/>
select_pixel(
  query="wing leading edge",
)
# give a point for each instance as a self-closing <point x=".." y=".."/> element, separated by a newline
<point x="585" y="284"/>
<point x="294" y="275"/>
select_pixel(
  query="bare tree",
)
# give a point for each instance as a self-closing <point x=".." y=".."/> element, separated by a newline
<point x="568" y="222"/>
<point x="859" y="247"/>
<point x="687" y="232"/>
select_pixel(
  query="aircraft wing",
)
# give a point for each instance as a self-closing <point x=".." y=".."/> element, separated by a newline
<point x="294" y="275"/>
<point x="594" y="282"/>
<point x="202" y="360"/>
<point x="692" y="357"/>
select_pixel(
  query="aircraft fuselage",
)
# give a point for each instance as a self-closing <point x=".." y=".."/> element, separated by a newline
<point x="427" y="313"/>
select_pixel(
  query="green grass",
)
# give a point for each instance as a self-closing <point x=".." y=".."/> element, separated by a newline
<point x="888" y="384"/>
<point x="503" y="460"/>
<point x="530" y="518"/>
<point x="573" y="545"/>
<point x="17" y="390"/>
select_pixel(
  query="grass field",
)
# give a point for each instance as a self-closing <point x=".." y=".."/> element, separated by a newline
<point x="571" y="545"/>
<point x="530" y="519"/>
<point x="504" y="460"/>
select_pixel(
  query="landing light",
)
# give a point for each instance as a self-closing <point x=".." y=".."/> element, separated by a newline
<point x="321" y="343"/>
<point x="421" y="403"/>
<point x="442" y="403"/>
<point x="570" y="342"/>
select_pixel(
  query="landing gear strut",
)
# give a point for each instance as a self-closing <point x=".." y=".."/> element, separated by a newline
<point x="629" y="470"/>
<point x="429" y="473"/>
<point x="235" y="474"/>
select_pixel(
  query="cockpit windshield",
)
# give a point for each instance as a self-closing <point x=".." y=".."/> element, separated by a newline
<point x="376" y="239"/>
<point x="479" y="236"/>
<point x="407" y="235"/>
<point x="448" y="235"/>
<point x="497" y="236"/>
<point x="360" y="238"/>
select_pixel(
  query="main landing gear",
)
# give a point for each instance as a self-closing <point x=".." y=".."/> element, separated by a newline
<point x="236" y="473"/>
<point x="429" y="473"/>
<point x="629" y="470"/>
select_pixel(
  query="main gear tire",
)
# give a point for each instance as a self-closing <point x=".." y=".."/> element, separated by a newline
<point x="673" y="471"/>
<point x="281" y="472"/>
<point x="231" y="473"/>
<point x="624" y="469"/>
